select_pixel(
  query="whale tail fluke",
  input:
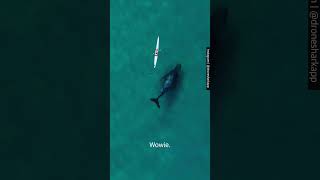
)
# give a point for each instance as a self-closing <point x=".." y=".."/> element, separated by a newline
<point x="156" y="101"/>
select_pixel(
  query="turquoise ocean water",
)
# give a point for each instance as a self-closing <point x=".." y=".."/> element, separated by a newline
<point x="183" y="120"/>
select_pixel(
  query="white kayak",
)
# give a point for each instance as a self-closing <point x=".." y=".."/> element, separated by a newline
<point x="156" y="54"/>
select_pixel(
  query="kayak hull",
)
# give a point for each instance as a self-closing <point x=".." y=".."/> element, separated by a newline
<point x="156" y="54"/>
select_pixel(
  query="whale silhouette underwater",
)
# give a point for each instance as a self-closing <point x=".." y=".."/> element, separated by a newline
<point x="170" y="81"/>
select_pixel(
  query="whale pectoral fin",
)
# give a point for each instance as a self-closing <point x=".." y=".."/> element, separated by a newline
<point x="166" y="75"/>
